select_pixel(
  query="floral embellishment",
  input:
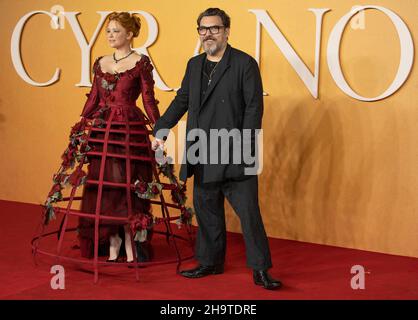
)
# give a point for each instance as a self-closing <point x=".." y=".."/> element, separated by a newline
<point x="54" y="196"/>
<point x="68" y="157"/>
<point x="178" y="195"/>
<point x="150" y="190"/>
<point x="140" y="222"/>
<point x="98" y="118"/>
<point x="185" y="216"/>
<point x="109" y="81"/>
<point x="76" y="152"/>
<point x="60" y="178"/>
<point x="106" y="85"/>
<point x="147" y="190"/>
<point x="77" y="177"/>
<point x="147" y="65"/>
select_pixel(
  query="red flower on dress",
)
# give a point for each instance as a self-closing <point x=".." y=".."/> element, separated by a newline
<point x="155" y="189"/>
<point x="141" y="187"/>
<point x="140" y="222"/>
<point x="79" y="126"/>
<point x="109" y="82"/>
<point x="76" y="178"/>
<point x="185" y="213"/>
<point x="59" y="178"/>
<point x="55" y="188"/>
<point x="110" y="77"/>
<point x="84" y="148"/>
<point x="68" y="156"/>
<point x="178" y="195"/>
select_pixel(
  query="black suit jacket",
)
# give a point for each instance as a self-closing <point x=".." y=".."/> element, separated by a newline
<point x="233" y="100"/>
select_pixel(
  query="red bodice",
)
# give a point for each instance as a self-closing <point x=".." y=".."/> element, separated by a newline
<point x="123" y="89"/>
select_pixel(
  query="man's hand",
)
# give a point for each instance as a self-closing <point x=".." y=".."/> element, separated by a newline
<point x="157" y="143"/>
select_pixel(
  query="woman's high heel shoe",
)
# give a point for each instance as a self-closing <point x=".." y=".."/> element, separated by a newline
<point x="115" y="243"/>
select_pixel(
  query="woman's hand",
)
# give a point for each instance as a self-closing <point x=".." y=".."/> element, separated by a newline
<point x="157" y="143"/>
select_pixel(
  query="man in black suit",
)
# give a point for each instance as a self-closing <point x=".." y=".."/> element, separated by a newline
<point x="221" y="90"/>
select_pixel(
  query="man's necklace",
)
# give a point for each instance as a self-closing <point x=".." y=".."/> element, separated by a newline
<point x="210" y="75"/>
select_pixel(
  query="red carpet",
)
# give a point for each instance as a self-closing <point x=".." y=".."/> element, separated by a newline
<point x="308" y="271"/>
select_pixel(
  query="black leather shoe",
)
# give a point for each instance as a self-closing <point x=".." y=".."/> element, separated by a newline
<point x="202" y="271"/>
<point x="262" y="278"/>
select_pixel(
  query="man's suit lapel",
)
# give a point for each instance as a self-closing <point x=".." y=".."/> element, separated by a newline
<point x="196" y="80"/>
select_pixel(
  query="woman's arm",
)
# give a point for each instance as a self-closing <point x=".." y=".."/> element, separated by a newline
<point x="147" y="91"/>
<point x="92" y="102"/>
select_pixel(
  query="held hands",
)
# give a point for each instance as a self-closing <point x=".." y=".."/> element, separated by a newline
<point x="157" y="144"/>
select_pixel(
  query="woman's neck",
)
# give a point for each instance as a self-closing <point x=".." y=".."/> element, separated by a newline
<point x="122" y="51"/>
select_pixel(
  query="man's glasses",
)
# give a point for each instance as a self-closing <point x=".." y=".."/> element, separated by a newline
<point x="213" y="29"/>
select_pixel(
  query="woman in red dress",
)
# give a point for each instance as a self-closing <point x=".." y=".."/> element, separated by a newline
<point x="118" y="81"/>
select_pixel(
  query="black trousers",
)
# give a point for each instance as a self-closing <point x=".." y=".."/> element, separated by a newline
<point x="209" y="200"/>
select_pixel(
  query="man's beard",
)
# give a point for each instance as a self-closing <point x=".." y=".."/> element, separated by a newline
<point x="212" y="49"/>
